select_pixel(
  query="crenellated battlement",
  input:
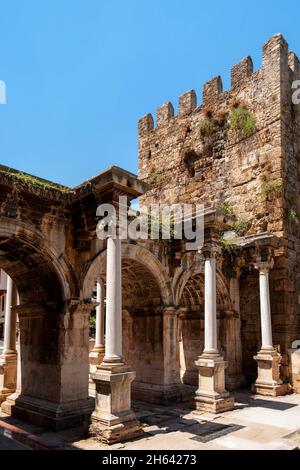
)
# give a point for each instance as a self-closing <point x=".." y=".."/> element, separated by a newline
<point x="275" y="58"/>
<point x="233" y="147"/>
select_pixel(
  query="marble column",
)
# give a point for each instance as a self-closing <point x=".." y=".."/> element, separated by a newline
<point x="98" y="350"/>
<point x="8" y="360"/>
<point x="268" y="359"/>
<point x="113" y="419"/>
<point x="211" y="394"/>
<point x="97" y="353"/>
<point x="113" y="346"/>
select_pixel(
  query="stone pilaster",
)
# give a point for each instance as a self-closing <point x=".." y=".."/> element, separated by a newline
<point x="235" y="377"/>
<point x="211" y="394"/>
<point x="172" y="387"/>
<point x="268" y="381"/>
<point x="113" y="419"/>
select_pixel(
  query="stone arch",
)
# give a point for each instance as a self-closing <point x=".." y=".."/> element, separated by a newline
<point x="53" y="374"/>
<point x="187" y="278"/>
<point x="143" y="258"/>
<point x="39" y="271"/>
<point x="146" y="289"/>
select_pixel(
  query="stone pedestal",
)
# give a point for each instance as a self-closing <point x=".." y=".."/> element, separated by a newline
<point x="8" y="375"/>
<point x="113" y="420"/>
<point x="96" y="358"/>
<point x="268" y="381"/>
<point x="294" y="359"/>
<point x="211" y="395"/>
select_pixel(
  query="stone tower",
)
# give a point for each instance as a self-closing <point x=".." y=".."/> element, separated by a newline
<point x="238" y="151"/>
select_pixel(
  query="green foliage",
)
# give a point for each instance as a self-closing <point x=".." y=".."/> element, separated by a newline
<point x="161" y="223"/>
<point x="153" y="177"/>
<point x="229" y="243"/>
<point x="92" y="326"/>
<point x="240" y="226"/>
<point x="225" y="209"/>
<point x="271" y="186"/>
<point x="33" y="181"/>
<point x="242" y="122"/>
<point x="293" y="216"/>
<point x="206" y="127"/>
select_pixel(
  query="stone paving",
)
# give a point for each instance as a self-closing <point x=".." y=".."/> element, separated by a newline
<point x="256" y="423"/>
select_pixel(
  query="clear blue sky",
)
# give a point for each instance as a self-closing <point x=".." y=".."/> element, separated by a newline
<point x="80" y="73"/>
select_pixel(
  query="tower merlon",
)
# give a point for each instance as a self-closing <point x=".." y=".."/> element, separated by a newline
<point x="164" y="113"/>
<point x="275" y="51"/>
<point x="293" y="62"/>
<point x="146" y="124"/>
<point x="187" y="102"/>
<point x="241" y="71"/>
<point x="211" y="90"/>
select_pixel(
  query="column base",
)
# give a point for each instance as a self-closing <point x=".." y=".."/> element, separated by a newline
<point x="211" y="395"/>
<point x="96" y="358"/>
<point x="55" y="416"/>
<point x="268" y="382"/>
<point x="96" y="355"/>
<point x="9" y="403"/>
<point x="115" y="429"/>
<point x="113" y="420"/>
<point x="8" y="375"/>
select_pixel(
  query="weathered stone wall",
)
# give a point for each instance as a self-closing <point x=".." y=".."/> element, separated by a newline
<point x="198" y="156"/>
<point x="143" y="347"/>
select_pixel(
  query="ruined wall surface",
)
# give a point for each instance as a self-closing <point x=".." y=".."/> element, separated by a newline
<point x="203" y="156"/>
<point x="199" y="156"/>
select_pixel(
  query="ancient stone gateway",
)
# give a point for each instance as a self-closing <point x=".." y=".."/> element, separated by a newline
<point x="179" y="324"/>
<point x="48" y="240"/>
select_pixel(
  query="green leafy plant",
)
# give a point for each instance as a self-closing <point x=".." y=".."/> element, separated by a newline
<point x="225" y="209"/>
<point x="293" y="216"/>
<point x="206" y="127"/>
<point x="240" y="226"/>
<point x="242" y="122"/>
<point x="161" y="224"/>
<point x="33" y="181"/>
<point x="229" y="243"/>
<point x="153" y="177"/>
<point x="270" y="186"/>
<point x="92" y="326"/>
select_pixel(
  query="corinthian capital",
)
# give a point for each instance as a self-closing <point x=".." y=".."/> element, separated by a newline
<point x="211" y="250"/>
<point x="264" y="266"/>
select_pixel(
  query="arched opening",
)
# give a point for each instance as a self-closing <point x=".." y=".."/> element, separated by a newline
<point x="145" y="291"/>
<point x="190" y="295"/>
<point x="53" y="344"/>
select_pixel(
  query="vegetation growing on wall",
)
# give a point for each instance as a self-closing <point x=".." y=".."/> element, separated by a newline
<point x="242" y="122"/>
<point x="269" y="186"/>
<point x="34" y="182"/>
